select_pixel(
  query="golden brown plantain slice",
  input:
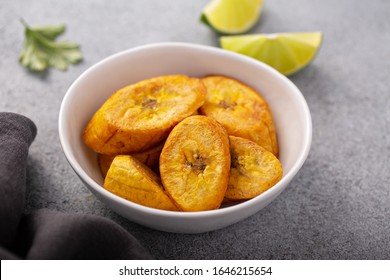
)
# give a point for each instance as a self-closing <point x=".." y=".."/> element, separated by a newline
<point x="149" y="157"/>
<point x="241" y="110"/>
<point x="104" y="162"/>
<point x="195" y="163"/>
<point x="141" y="115"/>
<point x="134" y="181"/>
<point x="253" y="169"/>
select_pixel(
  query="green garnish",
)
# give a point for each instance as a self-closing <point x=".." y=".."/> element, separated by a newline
<point x="40" y="49"/>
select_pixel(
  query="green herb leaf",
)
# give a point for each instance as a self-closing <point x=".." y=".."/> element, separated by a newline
<point x="41" y="50"/>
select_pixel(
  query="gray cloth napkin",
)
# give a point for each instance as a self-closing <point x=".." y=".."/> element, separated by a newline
<point x="47" y="234"/>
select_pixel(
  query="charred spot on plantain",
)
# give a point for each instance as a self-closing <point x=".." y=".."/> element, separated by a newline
<point x="198" y="163"/>
<point x="149" y="103"/>
<point x="235" y="163"/>
<point x="226" y="105"/>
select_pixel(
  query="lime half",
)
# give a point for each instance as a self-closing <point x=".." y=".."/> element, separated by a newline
<point x="232" y="16"/>
<point x="286" y="52"/>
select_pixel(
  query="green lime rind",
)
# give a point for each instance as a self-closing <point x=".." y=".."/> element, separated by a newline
<point x="203" y="19"/>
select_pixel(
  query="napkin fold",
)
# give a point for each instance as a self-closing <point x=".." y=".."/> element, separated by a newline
<point x="45" y="234"/>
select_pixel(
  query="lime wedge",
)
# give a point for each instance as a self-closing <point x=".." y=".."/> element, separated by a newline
<point x="232" y="16"/>
<point x="286" y="52"/>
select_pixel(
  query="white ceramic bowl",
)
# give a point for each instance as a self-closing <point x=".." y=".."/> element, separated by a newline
<point x="290" y="114"/>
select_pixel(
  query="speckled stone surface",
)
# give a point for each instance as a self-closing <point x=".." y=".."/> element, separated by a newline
<point x="337" y="207"/>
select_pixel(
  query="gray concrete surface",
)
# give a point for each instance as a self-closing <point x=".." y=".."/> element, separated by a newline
<point x="337" y="207"/>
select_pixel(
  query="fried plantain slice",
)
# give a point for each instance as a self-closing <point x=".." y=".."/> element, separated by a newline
<point x="253" y="170"/>
<point x="139" y="116"/>
<point x="134" y="181"/>
<point x="241" y="110"/>
<point x="195" y="163"/>
<point x="104" y="162"/>
<point x="149" y="157"/>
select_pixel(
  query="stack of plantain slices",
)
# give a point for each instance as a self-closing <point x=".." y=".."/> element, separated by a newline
<point x="155" y="150"/>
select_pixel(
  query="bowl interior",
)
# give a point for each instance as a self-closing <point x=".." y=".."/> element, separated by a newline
<point x="289" y="109"/>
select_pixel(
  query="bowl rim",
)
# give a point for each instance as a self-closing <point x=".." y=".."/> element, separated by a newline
<point x="188" y="215"/>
